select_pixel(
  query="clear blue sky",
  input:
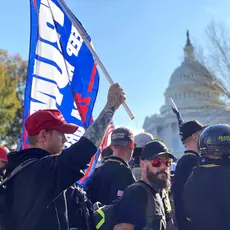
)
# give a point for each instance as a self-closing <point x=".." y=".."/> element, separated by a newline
<point x="139" y="41"/>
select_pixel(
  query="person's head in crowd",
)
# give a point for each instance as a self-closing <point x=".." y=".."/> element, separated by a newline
<point x="46" y="130"/>
<point x="215" y="142"/>
<point x="3" y="157"/>
<point x="155" y="164"/>
<point x="140" y="140"/>
<point x="190" y="134"/>
<point x="106" y="153"/>
<point x="122" y="143"/>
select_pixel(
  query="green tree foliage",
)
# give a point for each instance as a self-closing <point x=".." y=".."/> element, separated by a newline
<point x="12" y="83"/>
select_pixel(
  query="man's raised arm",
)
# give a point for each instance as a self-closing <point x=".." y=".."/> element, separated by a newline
<point x="66" y="168"/>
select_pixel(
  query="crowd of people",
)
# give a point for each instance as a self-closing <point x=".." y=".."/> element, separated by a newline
<point x="138" y="183"/>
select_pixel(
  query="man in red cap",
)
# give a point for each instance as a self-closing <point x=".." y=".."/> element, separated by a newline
<point x="47" y="129"/>
<point x="36" y="193"/>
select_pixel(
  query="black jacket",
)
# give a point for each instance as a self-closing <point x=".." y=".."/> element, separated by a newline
<point x="183" y="170"/>
<point x="108" y="180"/>
<point x="35" y="195"/>
<point x="206" y="198"/>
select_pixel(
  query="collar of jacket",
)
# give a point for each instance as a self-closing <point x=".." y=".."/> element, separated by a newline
<point x="17" y="158"/>
<point x="210" y="163"/>
<point x="191" y="152"/>
<point x="117" y="159"/>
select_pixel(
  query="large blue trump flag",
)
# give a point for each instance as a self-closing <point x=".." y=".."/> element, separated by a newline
<point x="62" y="73"/>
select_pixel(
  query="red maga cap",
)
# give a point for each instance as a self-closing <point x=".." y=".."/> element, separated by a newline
<point x="3" y="153"/>
<point x="48" y="119"/>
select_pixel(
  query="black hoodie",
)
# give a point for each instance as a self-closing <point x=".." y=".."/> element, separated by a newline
<point x="35" y="195"/>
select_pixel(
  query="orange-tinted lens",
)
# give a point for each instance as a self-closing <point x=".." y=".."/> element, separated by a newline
<point x="168" y="163"/>
<point x="156" y="162"/>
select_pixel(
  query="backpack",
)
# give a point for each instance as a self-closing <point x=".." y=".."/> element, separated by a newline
<point x="80" y="209"/>
<point x="104" y="216"/>
<point x="3" y="200"/>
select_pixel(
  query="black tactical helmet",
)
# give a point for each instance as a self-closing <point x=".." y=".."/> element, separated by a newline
<point x="215" y="139"/>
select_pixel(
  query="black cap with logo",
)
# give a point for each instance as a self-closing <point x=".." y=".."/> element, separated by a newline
<point x="122" y="137"/>
<point x="189" y="128"/>
<point x="154" y="149"/>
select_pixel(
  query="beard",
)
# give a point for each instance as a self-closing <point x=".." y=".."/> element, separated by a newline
<point x="159" y="183"/>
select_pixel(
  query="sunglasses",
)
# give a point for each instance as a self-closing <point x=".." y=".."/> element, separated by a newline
<point x="158" y="162"/>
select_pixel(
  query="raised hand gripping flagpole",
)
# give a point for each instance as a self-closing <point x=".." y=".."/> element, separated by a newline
<point x="84" y="36"/>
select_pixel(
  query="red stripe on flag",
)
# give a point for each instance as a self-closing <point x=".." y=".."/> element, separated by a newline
<point x="35" y="4"/>
<point x="89" y="169"/>
<point x="91" y="83"/>
<point x="109" y="130"/>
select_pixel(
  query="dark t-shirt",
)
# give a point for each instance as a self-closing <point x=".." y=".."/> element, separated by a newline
<point x="108" y="180"/>
<point x="133" y="205"/>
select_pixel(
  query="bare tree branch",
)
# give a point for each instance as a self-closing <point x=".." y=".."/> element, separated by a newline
<point x="219" y="50"/>
<point x="215" y="58"/>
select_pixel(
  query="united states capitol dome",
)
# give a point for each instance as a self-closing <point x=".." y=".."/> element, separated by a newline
<point x="189" y="84"/>
<point x="197" y="96"/>
<point x="189" y="69"/>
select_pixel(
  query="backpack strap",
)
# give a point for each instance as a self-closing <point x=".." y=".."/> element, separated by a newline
<point x="18" y="169"/>
<point x="150" y="209"/>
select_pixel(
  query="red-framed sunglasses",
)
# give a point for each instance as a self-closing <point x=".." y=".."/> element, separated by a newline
<point x="158" y="162"/>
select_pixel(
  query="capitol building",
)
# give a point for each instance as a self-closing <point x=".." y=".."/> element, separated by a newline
<point x="191" y="86"/>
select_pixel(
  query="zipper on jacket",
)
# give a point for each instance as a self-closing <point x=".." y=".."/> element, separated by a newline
<point x="58" y="220"/>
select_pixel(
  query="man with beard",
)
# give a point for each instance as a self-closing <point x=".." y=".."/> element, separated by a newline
<point x="141" y="140"/>
<point x="189" y="134"/>
<point x="132" y="212"/>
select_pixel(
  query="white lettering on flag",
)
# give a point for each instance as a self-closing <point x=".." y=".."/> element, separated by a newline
<point x="47" y="29"/>
<point x="50" y="71"/>
<point x="74" y="43"/>
<point x="72" y="138"/>
<point x="39" y="92"/>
